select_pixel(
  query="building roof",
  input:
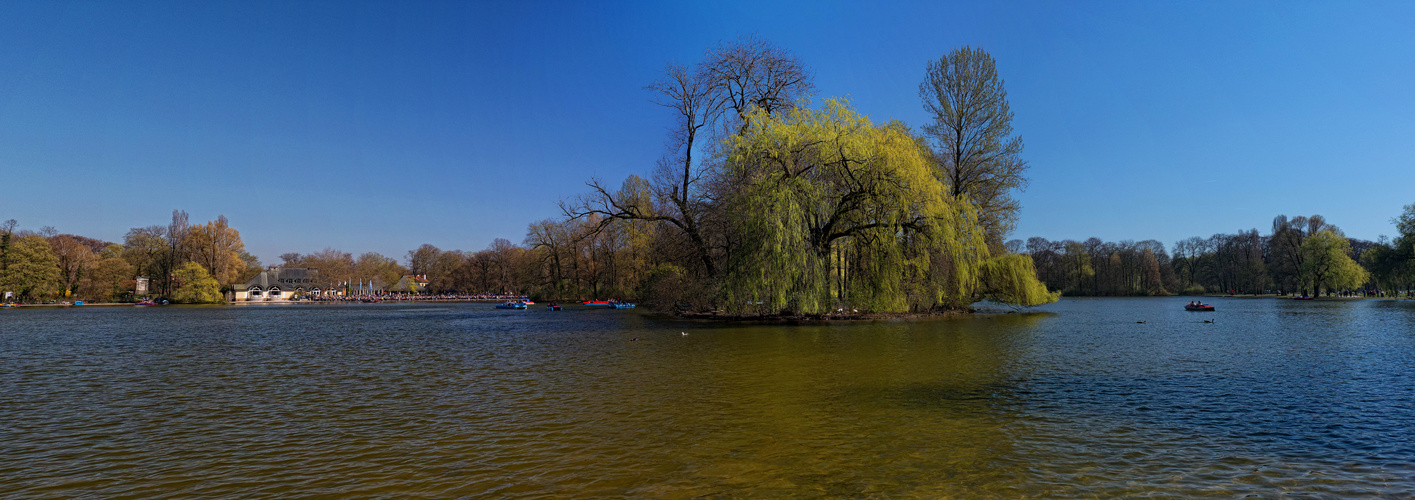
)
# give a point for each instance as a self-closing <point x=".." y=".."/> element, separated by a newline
<point x="286" y="278"/>
<point x="416" y="282"/>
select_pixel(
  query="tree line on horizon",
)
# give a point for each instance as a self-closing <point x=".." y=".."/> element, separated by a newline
<point x="186" y="262"/>
<point x="766" y="202"/>
<point x="1299" y="256"/>
<point x="199" y="263"/>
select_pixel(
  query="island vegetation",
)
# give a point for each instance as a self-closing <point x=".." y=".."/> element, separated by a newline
<point x="768" y="201"/>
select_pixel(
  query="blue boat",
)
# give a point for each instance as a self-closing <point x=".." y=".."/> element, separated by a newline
<point x="512" y="305"/>
<point x="621" y="305"/>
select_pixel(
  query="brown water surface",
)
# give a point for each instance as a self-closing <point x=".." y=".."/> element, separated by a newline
<point x="1275" y="398"/>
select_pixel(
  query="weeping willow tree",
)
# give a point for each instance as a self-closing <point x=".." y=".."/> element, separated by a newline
<point x="832" y="211"/>
<point x="1012" y="279"/>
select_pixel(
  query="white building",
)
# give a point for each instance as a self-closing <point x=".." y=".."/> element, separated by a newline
<point x="279" y="284"/>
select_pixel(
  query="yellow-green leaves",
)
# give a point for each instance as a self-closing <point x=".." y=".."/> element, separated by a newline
<point x="811" y="182"/>
<point x="1012" y="279"/>
<point x="31" y="268"/>
<point x="195" y="285"/>
<point x="1327" y="259"/>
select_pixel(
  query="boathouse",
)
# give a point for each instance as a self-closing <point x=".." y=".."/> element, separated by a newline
<point x="280" y="284"/>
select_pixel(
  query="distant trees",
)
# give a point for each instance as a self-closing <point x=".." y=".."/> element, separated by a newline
<point x="31" y="268"/>
<point x="336" y="267"/>
<point x="1391" y="264"/>
<point x="373" y="265"/>
<point x="7" y="234"/>
<point x="438" y="265"/>
<point x="144" y="248"/>
<point x="74" y="259"/>
<point x="175" y="235"/>
<point x="1094" y="267"/>
<point x="94" y="270"/>
<point x="193" y="285"/>
<point x="1289" y="265"/>
<point x="219" y="249"/>
<point x="971" y="133"/>
<point x="110" y="278"/>
<point x="1303" y="255"/>
<point x="1327" y="261"/>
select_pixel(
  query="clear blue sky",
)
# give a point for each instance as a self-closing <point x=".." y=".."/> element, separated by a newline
<point x="380" y="126"/>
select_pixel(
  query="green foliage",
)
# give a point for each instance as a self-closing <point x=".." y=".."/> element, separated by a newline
<point x="813" y="181"/>
<point x="1327" y="259"/>
<point x="195" y="285"/>
<point x="1011" y="279"/>
<point x="1194" y="290"/>
<point x="1402" y="265"/>
<point x="1405" y="224"/>
<point x="109" y="279"/>
<point x="32" y="269"/>
<point x="1389" y="267"/>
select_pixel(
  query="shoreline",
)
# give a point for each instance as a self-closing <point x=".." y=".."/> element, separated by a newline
<point x="715" y="316"/>
<point x="825" y="318"/>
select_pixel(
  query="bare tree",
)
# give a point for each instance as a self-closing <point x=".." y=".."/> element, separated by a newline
<point x="1285" y="244"/>
<point x="176" y="235"/>
<point x="552" y="241"/>
<point x="751" y="73"/>
<point x="7" y="231"/>
<point x="75" y="259"/>
<point x="740" y="76"/>
<point x="290" y="259"/>
<point x="976" y="153"/>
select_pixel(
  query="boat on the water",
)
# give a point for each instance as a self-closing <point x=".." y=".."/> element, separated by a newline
<point x="553" y="307"/>
<point x="1302" y="297"/>
<point x="598" y="302"/>
<point x="621" y="305"/>
<point x="1198" y="307"/>
<point x="512" y="305"/>
<point x="146" y="303"/>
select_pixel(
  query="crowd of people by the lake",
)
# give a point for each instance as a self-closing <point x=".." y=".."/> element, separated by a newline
<point x="402" y="297"/>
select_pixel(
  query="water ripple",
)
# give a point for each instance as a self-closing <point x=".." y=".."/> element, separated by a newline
<point x="1276" y="400"/>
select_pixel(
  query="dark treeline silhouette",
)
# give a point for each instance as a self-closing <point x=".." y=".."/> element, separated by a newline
<point x="1298" y="256"/>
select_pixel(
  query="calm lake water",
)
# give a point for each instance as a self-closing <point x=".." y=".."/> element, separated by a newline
<point x="1275" y="398"/>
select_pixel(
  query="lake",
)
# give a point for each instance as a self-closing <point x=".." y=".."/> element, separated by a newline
<point x="1077" y="399"/>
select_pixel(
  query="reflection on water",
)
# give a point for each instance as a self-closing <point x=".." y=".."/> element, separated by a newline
<point x="1272" y="398"/>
